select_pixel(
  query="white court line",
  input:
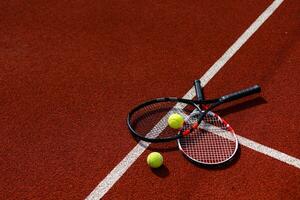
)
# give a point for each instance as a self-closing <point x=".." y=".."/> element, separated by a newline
<point x="253" y="145"/>
<point x="104" y="186"/>
<point x="269" y="151"/>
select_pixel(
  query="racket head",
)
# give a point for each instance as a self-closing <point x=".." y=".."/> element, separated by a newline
<point x="213" y="143"/>
<point x="149" y="120"/>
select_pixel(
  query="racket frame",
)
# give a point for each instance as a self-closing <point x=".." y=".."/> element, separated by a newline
<point x="200" y="97"/>
<point x="153" y="101"/>
<point x="213" y="103"/>
<point x="212" y="163"/>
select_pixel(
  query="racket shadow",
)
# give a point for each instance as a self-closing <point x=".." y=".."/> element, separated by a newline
<point x="160" y="147"/>
<point x="237" y="107"/>
<point x="164" y="149"/>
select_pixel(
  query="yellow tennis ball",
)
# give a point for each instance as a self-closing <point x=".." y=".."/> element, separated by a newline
<point x="155" y="160"/>
<point x="175" y="121"/>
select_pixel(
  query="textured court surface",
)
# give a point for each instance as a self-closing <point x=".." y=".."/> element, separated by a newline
<point x="71" y="70"/>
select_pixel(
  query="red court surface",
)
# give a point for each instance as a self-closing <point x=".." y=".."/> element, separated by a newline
<point x="71" y="71"/>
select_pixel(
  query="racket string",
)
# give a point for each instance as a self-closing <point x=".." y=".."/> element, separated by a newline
<point x="214" y="142"/>
<point x="151" y="121"/>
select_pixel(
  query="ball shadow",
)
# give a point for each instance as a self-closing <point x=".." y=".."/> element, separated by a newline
<point x="162" y="171"/>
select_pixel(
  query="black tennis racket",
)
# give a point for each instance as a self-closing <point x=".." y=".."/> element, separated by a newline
<point x="213" y="142"/>
<point x="149" y="120"/>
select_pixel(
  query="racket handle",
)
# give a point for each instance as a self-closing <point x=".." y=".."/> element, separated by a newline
<point x="198" y="89"/>
<point x="240" y="94"/>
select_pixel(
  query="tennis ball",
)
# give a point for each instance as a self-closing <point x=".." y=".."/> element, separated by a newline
<point x="155" y="160"/>
<point x="175" y="121"/>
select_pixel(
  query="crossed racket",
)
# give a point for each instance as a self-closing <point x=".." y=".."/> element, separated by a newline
<point x="205" y="137"/>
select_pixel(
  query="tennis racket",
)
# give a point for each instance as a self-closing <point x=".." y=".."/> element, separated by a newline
<point x="149" y="120"/>
<point x="213" y="142"/>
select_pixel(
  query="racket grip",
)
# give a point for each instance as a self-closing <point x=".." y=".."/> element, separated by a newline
<point x="240" y="94"/>
<point x="198" y="89"/>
